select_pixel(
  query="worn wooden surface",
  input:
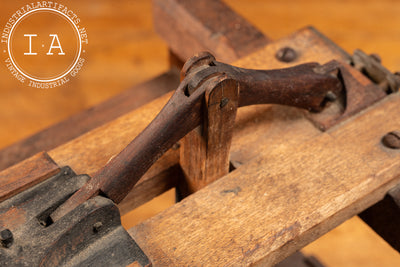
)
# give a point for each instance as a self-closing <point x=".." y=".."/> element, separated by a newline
<point x="281" y="200"/>
<point x="26" y="174"/>
<point x="125" y="50"/>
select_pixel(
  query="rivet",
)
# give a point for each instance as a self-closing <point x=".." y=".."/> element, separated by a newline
<point x="6" y="238"/>
<point x="286" y="54"/>
<point x="391" y="140"/>
<point x="97" y="226"/>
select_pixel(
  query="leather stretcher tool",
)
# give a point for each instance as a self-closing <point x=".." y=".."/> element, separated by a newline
<point x="72" y="219"/>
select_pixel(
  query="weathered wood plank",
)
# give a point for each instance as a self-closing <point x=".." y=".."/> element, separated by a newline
<point x="26" y="174"/>
<point x="193" y="26"/>
<point x="280" y="201"/>
<point x="89" y="119"/>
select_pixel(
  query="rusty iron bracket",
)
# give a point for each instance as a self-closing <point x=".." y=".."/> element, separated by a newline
<point x="364" y="84"/>
<point x="358" y="93"/>
<point x="371" y="66"/>
<point x="91" y="234"/>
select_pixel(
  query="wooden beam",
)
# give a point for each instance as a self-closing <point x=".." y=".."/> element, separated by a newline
<point x="193" y="26"/>
<point x="89" y="119"/>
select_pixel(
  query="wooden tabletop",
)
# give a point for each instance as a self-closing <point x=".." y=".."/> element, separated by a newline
<point x="124" y="50"/>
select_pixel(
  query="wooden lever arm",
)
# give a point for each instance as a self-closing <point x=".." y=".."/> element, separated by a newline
<point x="299" y="86"/>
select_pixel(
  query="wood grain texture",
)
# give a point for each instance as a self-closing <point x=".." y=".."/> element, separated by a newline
<point x="192" y="26"/>
<point x="89" y="119"/>
<point x="253" y="221"/>
<point x="26" y="174"/>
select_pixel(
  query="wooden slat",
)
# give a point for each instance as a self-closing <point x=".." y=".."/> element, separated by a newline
<point x="26" y="174"/>
<point x="89" y="119"/>
<point x="280" y="201"/>
<point x="193" y="26"/>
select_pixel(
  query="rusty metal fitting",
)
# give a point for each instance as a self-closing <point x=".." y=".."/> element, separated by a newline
<point x="391" y="140"/>
<point x="201" y="59"/>
<point x="286" y="54"/>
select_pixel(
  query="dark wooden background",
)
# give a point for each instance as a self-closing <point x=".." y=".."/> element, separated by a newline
<point x="124" y="50"/>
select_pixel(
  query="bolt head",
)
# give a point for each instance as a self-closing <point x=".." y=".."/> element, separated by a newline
<point x="286" y="54"/>
<point x="391" y="140"/>
<point x="6" y="238"/>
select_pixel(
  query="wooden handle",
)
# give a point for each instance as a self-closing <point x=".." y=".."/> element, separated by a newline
<point x="299" y="86"/>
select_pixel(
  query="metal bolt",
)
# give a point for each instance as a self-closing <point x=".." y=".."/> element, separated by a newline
<point x="224" y="102"/>
<point x="97" y="226"/>
<point x="392" y="140"/>
<point x="6" y="238"/>
<point x="201" y="59"/>
<point x="286" y="54"/>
